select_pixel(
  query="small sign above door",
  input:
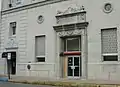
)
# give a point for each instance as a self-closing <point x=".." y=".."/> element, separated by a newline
<point x="9" y="56"/>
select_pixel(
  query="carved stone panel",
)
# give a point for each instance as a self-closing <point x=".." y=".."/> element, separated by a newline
<point x="70" y="33"/>
<point x="71" y="21"/>
<point x="12" y="43"/>
<point x="71" y="15"/>
<point x="65" y="20"/>
<point x="70" y="27"/>
<point x="71" y="10"/>
<point x="72" y="18"/>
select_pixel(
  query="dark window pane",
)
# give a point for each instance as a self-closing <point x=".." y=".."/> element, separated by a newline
<point x="70" y="61"/>
<point x="73" y="44"/>
<point x="64" y="44"/>
<point x="70" y="71"/>
<point x="12" y="28"/>
<point x="76" y="61"/>
<point x="14" y="31"/>
<point x="110" y="58"/>
<point x="13" y="55"/>
<point x="40" y="59"/>
<point x="40" y="45"/>
<point x="76" y="71"/>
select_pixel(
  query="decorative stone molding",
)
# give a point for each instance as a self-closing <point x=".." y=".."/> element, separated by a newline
<point x="71" y="29"/>
<point x="70" y="33"/>
<point x="70" y="10"/>
<point x="19" y="2"/>
<point x="71" y="18"/>
<point x="107" y="8"/>
<point x="33" y="5"/>
<point x="71" y="21"/>
<point x="40" y="19"/>
<point x="70" y="26"/>
<point x="12" y="43"/>
<point x="71" y="15"/>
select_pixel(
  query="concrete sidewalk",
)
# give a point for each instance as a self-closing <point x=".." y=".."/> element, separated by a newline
<point x="33" y="79"/>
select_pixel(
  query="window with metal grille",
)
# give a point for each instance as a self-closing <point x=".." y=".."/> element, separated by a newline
<point x="40" y="48"/>
<point x="109" y="44"/>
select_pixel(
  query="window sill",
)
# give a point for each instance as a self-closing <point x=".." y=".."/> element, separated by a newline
<point x="40" y="56"/>
<point x="42" y="63"/>
<point x="110" y="54"/>
<point x="39" y="63"/>
<point x="110" y="62"/>
<point x="13" y="36"/>
<point x="106" y="63"/>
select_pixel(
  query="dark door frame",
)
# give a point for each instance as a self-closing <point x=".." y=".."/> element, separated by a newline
<point x="13" y="62"/>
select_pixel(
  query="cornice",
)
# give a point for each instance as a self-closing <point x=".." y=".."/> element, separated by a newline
<point x="33" y="5"/>
<point x="59" y="28"/>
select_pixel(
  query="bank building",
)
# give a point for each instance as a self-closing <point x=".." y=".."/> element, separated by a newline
<point x="61" y="38"/>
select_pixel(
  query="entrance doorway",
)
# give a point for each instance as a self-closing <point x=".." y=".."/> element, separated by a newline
<point x="13" y="63"/>
<point x="72" y="56"/>
<point x="74" y="67"/>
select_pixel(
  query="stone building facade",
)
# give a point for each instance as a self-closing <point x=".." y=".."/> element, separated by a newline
<point x="61" y="38"/>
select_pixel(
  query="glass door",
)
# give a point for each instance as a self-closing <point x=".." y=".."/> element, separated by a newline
<point x="74" y="66"/>
<point x="70" y="66"/>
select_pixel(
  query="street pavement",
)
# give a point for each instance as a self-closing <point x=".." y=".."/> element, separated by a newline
<point x="8" y="84"/>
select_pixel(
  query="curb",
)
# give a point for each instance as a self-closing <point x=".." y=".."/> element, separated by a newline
<point x="3" y="79"/>
<point x="65" y="84"/>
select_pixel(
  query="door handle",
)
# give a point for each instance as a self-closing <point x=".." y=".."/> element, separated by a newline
<point x="76" y="66"/>
<point x="72" y="67"/>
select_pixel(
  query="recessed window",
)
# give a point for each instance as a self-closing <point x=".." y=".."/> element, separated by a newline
<point x="72" y="44"/>
<point x="109" y="44"/>
<point x="40" y="59"/>
<point x="40" y="48"/>
<point x="12" y="28"/>
<point x="110" y="58"/>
